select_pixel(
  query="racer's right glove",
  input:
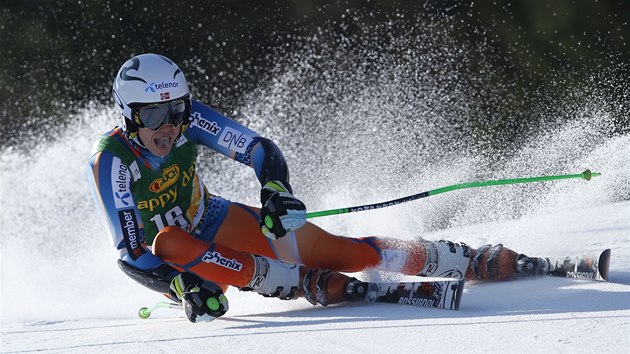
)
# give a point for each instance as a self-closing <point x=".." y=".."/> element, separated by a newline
<point x="281" y="212"/>
<point x="203" y="301"/>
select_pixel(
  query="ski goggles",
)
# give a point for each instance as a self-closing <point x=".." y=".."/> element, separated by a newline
<point x="154" y="116"/>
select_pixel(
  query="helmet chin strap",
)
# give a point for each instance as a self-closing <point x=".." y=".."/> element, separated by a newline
<point x="136" y="139"/>
<point x="131" y="132"/>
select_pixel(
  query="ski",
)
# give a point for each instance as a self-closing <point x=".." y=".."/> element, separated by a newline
<point x="589" y="267"/>
<point x="441" y="294"/>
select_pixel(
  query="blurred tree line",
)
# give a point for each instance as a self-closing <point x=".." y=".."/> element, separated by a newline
<point x="57" y="55"/>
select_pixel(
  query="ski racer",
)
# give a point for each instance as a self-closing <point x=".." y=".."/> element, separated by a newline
<point x="177" y="238"/>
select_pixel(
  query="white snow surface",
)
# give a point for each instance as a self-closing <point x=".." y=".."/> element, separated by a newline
<point x="541" y="316"/>
<point x="61" y="291"/>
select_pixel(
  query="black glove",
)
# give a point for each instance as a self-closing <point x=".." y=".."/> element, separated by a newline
<point x="281" y="212"/>
<point x="202" y="300"/>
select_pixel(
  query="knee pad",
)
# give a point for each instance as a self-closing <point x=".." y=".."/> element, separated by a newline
<point x="445" y="259"/>
<point x="274" y="278"/>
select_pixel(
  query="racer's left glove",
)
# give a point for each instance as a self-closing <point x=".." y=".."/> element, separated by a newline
<point x="203" y="300"/>
<point x="281" y="212"/>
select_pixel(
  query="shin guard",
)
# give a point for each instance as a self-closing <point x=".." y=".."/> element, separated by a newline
<point x="274" y="278"/>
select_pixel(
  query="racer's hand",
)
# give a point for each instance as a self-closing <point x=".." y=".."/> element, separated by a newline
<point x="203" y="301"/>
<point x="281" y="212"/>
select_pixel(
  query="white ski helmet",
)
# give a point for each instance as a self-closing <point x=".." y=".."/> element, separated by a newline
<point x="148" y="79"/>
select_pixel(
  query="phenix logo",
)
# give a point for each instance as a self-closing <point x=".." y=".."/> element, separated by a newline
<point x="216" y="258"/>
<point x="153" y="87"/>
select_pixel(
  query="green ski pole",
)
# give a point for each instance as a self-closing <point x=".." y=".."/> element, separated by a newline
<point x="587" y="175"/>
<point x="145" y="312"/>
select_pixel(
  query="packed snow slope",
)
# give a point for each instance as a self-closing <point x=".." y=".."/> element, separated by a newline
<point x="62" y="291"/>
<point x="540" y="316"/>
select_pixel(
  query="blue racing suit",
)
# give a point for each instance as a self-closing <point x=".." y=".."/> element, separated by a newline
<point x="115" y="171"/>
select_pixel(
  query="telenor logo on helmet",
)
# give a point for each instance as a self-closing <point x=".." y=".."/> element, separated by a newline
<point x="160" y="86"/>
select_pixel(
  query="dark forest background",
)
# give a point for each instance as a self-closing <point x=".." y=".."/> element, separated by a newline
<point x="57" y="56"/>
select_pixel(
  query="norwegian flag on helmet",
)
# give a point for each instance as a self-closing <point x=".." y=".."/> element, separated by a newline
<point x="165" y="96"/>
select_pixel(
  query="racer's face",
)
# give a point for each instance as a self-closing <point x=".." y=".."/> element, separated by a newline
<point x="160" y="142"/>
